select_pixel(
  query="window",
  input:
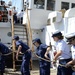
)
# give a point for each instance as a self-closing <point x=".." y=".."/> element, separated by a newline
<point x="73" y="5"/>
<point x="48" y="22"/>
<point x="50" y="4"/>
<point x="39" y="4"/>
<point x="54" y="19"/>
<point x="1" y="8"/>
<point x="65" y="5"/>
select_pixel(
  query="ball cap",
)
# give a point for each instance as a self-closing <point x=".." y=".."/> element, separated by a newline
<point x="56" y="33"/>
<point x="16" y="38"/>
<point x="70" y="35"/>
<point x="36" y="40"/>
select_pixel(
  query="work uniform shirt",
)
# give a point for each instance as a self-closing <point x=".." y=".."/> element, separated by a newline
<point x="26" y="58"/>
<point x="14" y="11"/>
<point x="24" y="50"/>
<point x="24" y="46"/>
<point x="41" y="52"/>
<point x="73" y="55"/>
<point x="73" y="52"/>
<point x="3" y="50"/>
<point x="62" y="46"/>
<point x="21" y="14"/>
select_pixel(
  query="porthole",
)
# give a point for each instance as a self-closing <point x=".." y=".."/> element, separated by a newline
<point x="9" y="34"/>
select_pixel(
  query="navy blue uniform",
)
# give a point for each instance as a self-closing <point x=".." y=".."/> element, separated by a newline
<point x="26" y="58"/>
<point x="44" y="65"/>
<point x="3" y="50"/>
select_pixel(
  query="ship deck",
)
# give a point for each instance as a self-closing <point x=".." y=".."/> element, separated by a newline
<point x="34" y="71"/>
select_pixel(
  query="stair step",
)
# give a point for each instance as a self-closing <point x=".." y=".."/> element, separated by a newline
<point x="18" y="24"/>
<point x="21" y="37"/>
<point x="19" y="27"/>
<point x="19" y="60"/>
<point x="18" y="65"/>
<point x="19" y="30"/>
<point x="20" y="34"/>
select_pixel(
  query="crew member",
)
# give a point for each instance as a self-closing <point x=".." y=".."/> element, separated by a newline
<point x="40" y="52"/>
<point x="71" y="39"/>
<point x="63" y="54"/>
<point x="22" y="47"/>
<point x="3" y="50"/>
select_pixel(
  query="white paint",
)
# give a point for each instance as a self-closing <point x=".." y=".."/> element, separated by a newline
<point x="3" y="35"/>
<point x="71" y="25"/>
<point x="38" y="18"/>
<point x="5" y="24"/>
<point x="70" y="13"/>
<point x="55" y="14"/>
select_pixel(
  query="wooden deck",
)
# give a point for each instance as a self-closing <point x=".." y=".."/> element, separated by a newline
<point x="34" y="71"/>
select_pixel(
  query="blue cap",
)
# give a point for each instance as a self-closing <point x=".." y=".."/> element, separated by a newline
<point x="56" y="33"/>
<point x="16" y="38"/>
<point x="37" y="40"/>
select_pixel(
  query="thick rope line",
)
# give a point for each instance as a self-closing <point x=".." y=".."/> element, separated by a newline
<point x="43" y="58"/>
<point x="12" y="52"/>
<point x="6" y="54"/>
<point x="73" y="67"/>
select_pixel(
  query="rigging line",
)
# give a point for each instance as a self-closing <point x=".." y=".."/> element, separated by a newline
<point x="72" y="66"/>
<point x="6" y="54"/>
<point x="42" y="58"/>
<point x="12" y="52"/>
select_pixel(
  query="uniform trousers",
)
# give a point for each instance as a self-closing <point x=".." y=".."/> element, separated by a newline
<point x="73" y="73"/>
<point x="25" y="64"/>
<point x="61" y="70"/>
<point x="45" y="68"/>
<point x="2" y="65"/>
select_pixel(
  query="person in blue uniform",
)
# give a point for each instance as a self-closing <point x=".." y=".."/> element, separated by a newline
<point x="71" y="39"/>
<point x="63" y="54"/>
<point x="40" y="51"/>
<point x="3" y="50"/>
<point x="22" y="47"/>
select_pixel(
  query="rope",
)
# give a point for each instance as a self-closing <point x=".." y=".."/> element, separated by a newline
<point x="73" y="67"/>
<point x="43" y="59"/>
<point x="6" y="54"/>
<point x="11" y="53"/>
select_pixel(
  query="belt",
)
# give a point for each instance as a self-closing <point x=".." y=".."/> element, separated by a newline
<point x="65" y="59"/>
